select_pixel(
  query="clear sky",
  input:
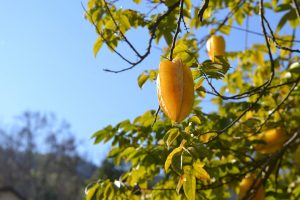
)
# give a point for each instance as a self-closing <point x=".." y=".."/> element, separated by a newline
<point x="47" y="65"/>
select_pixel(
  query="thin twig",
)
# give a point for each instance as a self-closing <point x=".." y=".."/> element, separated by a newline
<point x="156" y="114"/>
<point x="257" y="33"/>
<point x="103" y="38"/>
<point x="152" y="29"/>
<point x="177" y="29"/>
<point x="203" y="7"/>
<point x="277" y="107"/>
<point x="122" y="34"/>
<point x="275" y="41"/>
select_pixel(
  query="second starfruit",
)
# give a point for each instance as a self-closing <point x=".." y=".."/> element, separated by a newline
<point x="215" y="46"/>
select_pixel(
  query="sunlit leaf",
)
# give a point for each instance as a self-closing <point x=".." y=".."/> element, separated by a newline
<point x="97" y="46"/>
<point x="189" y="184"/>
<point x="142" y="79"/>
<point x="168" y="161"/>
<point x="90" y="192"/>
<point x="199" y="172"/>
<point x="172" y="135"/>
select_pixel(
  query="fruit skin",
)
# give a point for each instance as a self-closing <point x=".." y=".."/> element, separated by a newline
<point x="215" y="46"/>
<point x="246" y="184"/>
<point x="273" y="138"/>
<point x="175" y="89"/>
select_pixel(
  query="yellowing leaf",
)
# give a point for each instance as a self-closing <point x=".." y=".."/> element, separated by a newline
<point x="97" y="46"/>
<point x="189" y="184"/>
<point x="170" y="157"/>
<point x="195" y="119"/>
<point x="172" y="135"/>
<point x="188" y="4"/>
<point x="180" y="183"/>
<point x="142" y="79"/>
<point x="199" y="172"/>
<point x="91" y="192"/>
<point x="137" y="1"/>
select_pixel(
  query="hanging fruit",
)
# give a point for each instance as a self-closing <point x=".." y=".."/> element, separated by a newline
<point x="273" y="138"/>
<point x="246" y="185"/>
<point x="175" y="89"/>
<point x="215" y="46"/>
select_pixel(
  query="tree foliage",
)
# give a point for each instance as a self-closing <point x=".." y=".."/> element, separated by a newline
<point x="254" y="89"/>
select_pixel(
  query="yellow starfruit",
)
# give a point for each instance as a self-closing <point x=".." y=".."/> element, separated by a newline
<point x="215" y="46"/>
<point x="175" y="89"/>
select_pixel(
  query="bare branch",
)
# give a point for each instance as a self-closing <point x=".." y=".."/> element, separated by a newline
<point x="275" y="41"/>
<point x="203" y="7"/>
<point x="177" y="29"/>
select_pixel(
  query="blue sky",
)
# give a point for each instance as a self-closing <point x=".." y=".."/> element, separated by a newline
<point x="47" y="65"/>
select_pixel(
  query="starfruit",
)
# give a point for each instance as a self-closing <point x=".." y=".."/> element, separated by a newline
<point x="215" y="46"/>
<point x="273" y="138"/>
<point x="175" y="89"/>
<point x="246" y="184"/>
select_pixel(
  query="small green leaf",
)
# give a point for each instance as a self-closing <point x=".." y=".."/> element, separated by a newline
<point x="188" y="4"/>
<point x="189" y="184"/>
<point x="97" y="46"/>
<point x="173" y="133"/>
<point x="195" y="119"/>
<point x="199" y="172"/>
<point x="152" y="75"/>
<point x="125" y="22"/>
<point x="180" y="183"/>
<point x="142" y="79"/>
<point x="295" y="68"/>
<point x="282" y="22"/>
<point x="90" y="192"/>
<point x="137" y="1"/>
<point x="170" y="157"/>
<point x="283" y="7"/>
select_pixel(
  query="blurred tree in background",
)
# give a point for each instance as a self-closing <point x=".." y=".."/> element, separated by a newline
<point x="40" y="160"/>
<point x="249" y="142"/>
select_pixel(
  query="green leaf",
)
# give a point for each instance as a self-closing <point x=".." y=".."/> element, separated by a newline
<point x="97" y="46"/>
<point x="173" y="133"/>
<point x="199" y="172"/>
<point x="170" y="157"/>
<point x="283" y="7"/>
<point x="195" y="119"/>
<point x="125" y="22"/>
<point x="295" y="68"/>
<point x="180" y="183"/>
<point x="142" y="79"/>
<point x="189" y="184"/>
<point x="282" y="22"/>
<point x="137" y="1"/>
<point x="90" y="192"/>
<point x="188" y="4"/>
<point x="152" y="75"/>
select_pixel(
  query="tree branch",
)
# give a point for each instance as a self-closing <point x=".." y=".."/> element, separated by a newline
<point x="275" y="41"/>
<point x="177" y="29"/>
<point x="118" y="28"/>
<point x="203" y="7"/>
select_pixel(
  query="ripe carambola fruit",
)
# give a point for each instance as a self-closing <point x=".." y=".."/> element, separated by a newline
<point x="246" y="185"/>
<point x="175" y="89"/>
<point x="215" y="46"/>
<point x="273" y="138"/>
